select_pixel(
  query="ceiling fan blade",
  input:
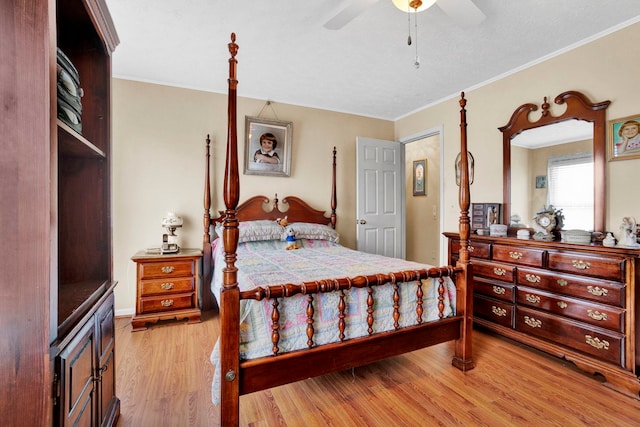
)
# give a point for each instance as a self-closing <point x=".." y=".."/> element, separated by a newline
<point x="346" y="15"/>
<point x="464" y="12"/>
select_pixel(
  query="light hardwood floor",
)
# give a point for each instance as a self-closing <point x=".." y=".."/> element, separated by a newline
<point x="164" y="379"/>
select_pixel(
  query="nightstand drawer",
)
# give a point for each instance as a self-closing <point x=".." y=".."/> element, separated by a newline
<point x="165" y="287"/>
<point x="166" y="303"/>
<point x="168" y="268"/>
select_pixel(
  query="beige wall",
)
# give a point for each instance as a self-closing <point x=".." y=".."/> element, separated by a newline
<point x="603" y="69"/>
<point x="158" y="152"/>
<point x="158" y="146"/>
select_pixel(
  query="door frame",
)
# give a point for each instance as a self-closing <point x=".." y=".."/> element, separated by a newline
<point x="438" y="130"/>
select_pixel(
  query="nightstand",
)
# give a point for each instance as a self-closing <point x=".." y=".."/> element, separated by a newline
<point x="167" y="287"/>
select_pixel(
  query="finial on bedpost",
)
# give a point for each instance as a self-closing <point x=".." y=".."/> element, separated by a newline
<point x="334" y="199"/>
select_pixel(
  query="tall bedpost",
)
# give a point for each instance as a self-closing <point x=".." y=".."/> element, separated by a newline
<point x="207" y="298"/>
<point x="230" y="294"/>
<point x="464" y="298"/>
<point x="334" y="199"/>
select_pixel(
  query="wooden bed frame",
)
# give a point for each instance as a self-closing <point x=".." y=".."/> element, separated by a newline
<point x="247" y="376"/>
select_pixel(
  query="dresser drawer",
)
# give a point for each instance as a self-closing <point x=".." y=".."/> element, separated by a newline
<point x="168" y="268"/>
<point x="493" y="289"/>
<point x="602" y="291"/>
<point x="166" y="303"/>
<point x="499" y="312"/>
<point x="596" y="314"/>
<point x="164" y="287"/>
<point x="518" y="255"/>
<point x="600" y="343"/>
<point x="476" y="249"/>
<point x="492" y="270"/>
<point x="578" y="263"/>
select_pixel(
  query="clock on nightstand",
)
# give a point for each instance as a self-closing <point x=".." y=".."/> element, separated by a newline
<point x="167" y="287"/>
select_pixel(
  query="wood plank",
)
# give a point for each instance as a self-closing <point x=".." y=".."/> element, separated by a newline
<point x="164" y="379"/>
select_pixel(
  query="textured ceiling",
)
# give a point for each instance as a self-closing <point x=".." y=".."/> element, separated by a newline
<point x="286" y="55"/>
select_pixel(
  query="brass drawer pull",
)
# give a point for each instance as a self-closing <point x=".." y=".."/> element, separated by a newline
<point x="596" y="315"/>
<point x="166" y="302"/>
<point x="470" y="248"/>
<point x="515" y="255"/>
<point x="534" y="299"/>
<point x="532" y="278"/>
<point x="562" y="282"/>
<point x="597" y="342"/>
<point x="168" y="269"/>
<point x="498" y="311"/>
<point x="533" y="322"/>
<point x="581" y="265"/>
<point x="167" y="286"/>
<point x="562" y="304"/>
<point x="499" y="271"/>
<point x="597" y="291"/>
<point x="499" y="290"/>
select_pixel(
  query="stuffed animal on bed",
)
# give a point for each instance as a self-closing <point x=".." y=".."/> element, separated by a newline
<point x="290" y="238"/>
<point x="282" y="221"/>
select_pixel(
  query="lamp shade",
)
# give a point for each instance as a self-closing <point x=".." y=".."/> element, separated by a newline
<point x="171" y="220"/>
<point x="408" y="5"/>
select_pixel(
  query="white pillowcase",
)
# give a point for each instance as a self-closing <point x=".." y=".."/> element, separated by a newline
<point x="307" y="230"/>
<point x="254" y="231"/>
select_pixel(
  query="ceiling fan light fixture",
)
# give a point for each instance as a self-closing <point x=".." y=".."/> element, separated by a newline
<point x="413" y="6"/>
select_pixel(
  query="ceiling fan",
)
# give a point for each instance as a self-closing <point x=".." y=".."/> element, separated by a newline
<point x="464" y="12"/>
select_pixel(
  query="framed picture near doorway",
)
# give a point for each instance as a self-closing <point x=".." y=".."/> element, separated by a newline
<point x="420" y="177"/>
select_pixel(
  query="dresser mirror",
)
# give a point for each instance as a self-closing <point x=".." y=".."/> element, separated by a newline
<point x="575" y="129"/>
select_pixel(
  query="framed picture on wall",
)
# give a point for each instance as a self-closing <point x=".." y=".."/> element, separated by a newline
<point x="624" y="138"/>
<point x="267" y="147"/>
<point x="420" y="177"/>
<point x="541" y="181"/>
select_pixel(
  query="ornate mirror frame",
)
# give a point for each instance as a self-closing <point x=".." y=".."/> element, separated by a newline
<point x="578" y="107"/>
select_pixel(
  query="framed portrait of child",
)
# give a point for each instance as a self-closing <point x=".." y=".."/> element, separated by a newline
<point x="267" y="147"/>
<point x="624" y="138"/>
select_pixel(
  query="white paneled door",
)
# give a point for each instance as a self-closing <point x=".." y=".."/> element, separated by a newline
<point x="380" y="197"/>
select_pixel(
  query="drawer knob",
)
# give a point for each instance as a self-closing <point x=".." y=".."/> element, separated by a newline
<point x="499" y="271"/>
<point x="581" y="265"/>
<point x="597" y="291"/>
<point x="562" y="282"/>
<point x="596" y="315"/>
<point x="498" y="311"/>
<point x="533" y="299"/>
<point x="166" y="302"/>
<point x="532" y="278"/>
<point x="470" y="248"/>
<point x="533" y="322"/>
<point x="499" y="290"/>
<point x="562" y="304"/>
<point x="168" y="269"/>
<point x="515" y="255"/>
<point x="597" y="342"/>
<point x="167" y="286"/>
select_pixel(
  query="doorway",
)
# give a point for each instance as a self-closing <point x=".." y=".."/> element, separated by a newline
<point x="423" y="217"/>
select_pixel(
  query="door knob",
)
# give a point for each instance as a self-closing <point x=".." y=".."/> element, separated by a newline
<point x="361" y="221"/>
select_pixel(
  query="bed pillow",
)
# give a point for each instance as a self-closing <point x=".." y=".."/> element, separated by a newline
<point x="254" y="231"/>
<point x="308" y="230"/>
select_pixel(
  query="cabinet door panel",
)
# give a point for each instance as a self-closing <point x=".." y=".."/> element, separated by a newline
<point x="76" y="367"/>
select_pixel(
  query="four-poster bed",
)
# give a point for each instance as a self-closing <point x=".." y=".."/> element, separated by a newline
<point x="424" y="305"/>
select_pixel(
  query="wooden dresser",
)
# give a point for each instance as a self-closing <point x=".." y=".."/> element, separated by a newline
<point x="578" y="302"/>
<point x="167" y="287"/>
